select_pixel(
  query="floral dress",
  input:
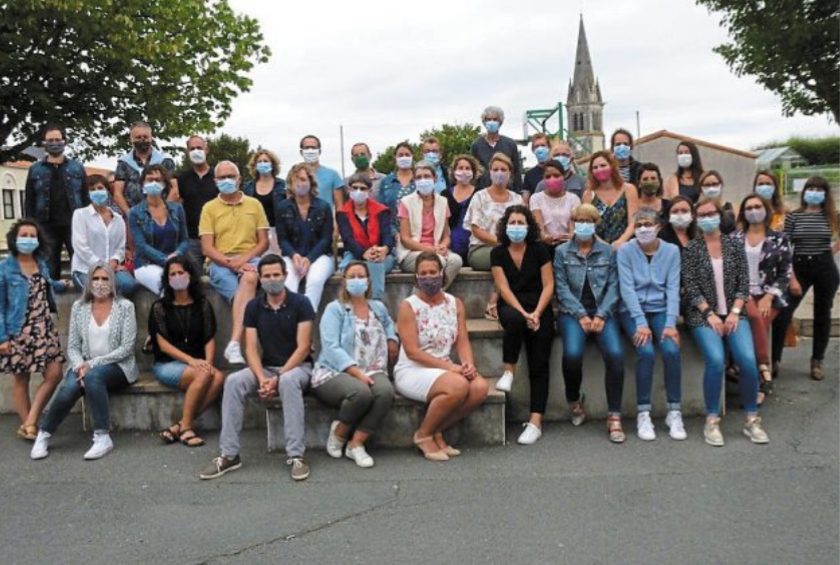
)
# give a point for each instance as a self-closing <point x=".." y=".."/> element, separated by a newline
<point x="37" y="345"/>
<point x="613" y="218"/>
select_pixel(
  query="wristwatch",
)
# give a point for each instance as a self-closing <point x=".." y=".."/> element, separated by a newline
<point x="736" y="311"/>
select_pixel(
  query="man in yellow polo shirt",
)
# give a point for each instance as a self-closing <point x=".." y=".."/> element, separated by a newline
<point x="234" y="234"/>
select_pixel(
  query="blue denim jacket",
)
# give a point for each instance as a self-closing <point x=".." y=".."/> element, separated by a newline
<point x="571" y="270"/>
<point x="142" y="226"/>
<point x="14" y="296"/>
<point x="289" y="236"/>
<point x="37" y="197"/>
<point x="338" y="333"/>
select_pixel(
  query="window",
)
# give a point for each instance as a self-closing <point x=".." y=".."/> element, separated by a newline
<point x="596" y="118"/>
<point x="8" y="204"/>
<point x="22" y="195"/>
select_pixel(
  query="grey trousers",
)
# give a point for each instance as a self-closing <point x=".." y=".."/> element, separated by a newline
<point x="360" y="406"/>
<point x="241" y="385"/>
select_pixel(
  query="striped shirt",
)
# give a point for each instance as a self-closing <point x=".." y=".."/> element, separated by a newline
<point x="624" y="172"/>
<point x="809" y="233"/>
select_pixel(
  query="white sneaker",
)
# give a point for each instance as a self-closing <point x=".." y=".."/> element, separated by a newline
<point x="335" y="446"/>
<point x="360" y="456"/>
<point x="644" y="427"/>
<point x="529" y="435"/>
<point x="712" y="433"/>
<point x="752" y="429"/>
<point x="42" y="445"/>
<point x="233" y="353"/>
<point x="675" y="425"/>
<point x="102" y="446"/>
<point x="505" y="382"/>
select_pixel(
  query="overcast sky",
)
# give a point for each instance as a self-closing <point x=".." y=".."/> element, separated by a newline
<point x="387" y="70"/>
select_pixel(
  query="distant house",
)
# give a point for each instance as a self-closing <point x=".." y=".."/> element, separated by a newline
<point x="12" y="185"/>
<point x="783" y="157"/>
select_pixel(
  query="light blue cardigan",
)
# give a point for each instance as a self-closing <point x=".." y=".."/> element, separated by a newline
<point x="649" y="287"/>
<point x="338" y="333"/>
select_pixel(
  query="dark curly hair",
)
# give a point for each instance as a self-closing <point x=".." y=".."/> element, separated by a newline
<point x="44" y="242"/>
<point x="194" y="289"/>
<point x="166" y="177"/>
<point x="533" y="227"/>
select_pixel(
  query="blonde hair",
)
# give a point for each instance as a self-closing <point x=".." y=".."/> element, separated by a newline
<point x="290" y="180"/>
<point x="502" y="158"/>
<point x="587" y="211"/>
<point x="275" y="163"/>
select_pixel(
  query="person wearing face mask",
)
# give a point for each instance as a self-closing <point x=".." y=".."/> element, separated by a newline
<point x="279" y="325"/>
<point x="159" y="229"/>
<point x="769" y="257"/>
<point x="182" y="327"/>
<point x="686" y="181"/>
<point x="541" y="147"/>
<point x="424" y="225"/>
<point x="430" y="149"/>
<point x="430" y="324"/>
<point x="197" y="187"/>
<point x="99" y="236"/>
<point x="264" y="167"/>
<point x="29" y="341"/>
<point x="716" y="279"/>
<point x="615" y="199"/>
<point x="465" y="170"/>
<point x="128" y="191"/>
<point x="586" y="284"/>
<point x="649" y="283"/>
<point x="55" y="188"/>
<point x="621" y="143"/>
<point x="357" y="343"/>
<point x="399" y="183"/>
<point x="766" y="185"/>
<point x="552" y="206"/>
<point x="487" y="146"/>
<point x="573" y="182"/>
<point x="813" y="229"/>
<point x="522" y="271"/>
<point x="680" y="227"/>
<point x="362" y="158"/>
<point x="234" y="234"/>
<point x="650" y="190"/>
<point x="711" y="188"/>
<point x="330" y="185"/>
<point x="100" y="352"/>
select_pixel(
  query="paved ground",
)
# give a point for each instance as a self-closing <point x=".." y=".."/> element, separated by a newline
<point x="572" y="498"/>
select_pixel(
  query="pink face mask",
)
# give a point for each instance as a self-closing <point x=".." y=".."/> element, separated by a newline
<point x="602" y="175"/>
<point x="554" y="185"/>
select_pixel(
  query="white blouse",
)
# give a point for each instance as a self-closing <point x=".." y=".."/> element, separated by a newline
<point x="93" y="241"/>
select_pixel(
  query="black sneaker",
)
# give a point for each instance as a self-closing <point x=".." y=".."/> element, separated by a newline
<point x="219" y="466"/>
<point x="299" y="468"/>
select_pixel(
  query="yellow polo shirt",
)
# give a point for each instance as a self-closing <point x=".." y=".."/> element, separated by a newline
<point x="234" y="226"/>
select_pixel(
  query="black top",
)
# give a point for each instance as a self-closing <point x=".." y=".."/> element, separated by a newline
<point x="525" y="282"/>
<point x="669" y="235"/>
<point x="532" y="179"/>
<point x="188" y="327"/>
<point x="277" y="329"/>
<point x="689" y="191"/>
<point x="267" y="201"/>
<point x="195" y="193"/>
<point x="587" y="298"/>
<point x="60" y="211"/>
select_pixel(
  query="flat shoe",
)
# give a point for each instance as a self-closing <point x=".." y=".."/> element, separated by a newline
<point x="29" y="433"/>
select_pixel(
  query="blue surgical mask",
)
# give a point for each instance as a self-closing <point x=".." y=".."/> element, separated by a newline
<point x="425" y="186"/>
<point x="26" y="244"/>
<point x="99" y="197"/>
<point x="541" y="153"/>
<point x="492" y="126"/>
<point x="814" y="197"/>
<point x="564" y="160"/>
<point x="264" y="168"/>
<point x="432" y="157"/>
<point x="226" y="186"/>
<point x="356" y="287"/>
<point x="153" y="189"/>
<point x="712" y="191"/>
<point x="622" y="152"/>
<point x="404" y="162"/>
<point x="584" y="230"/>
<point x="765" y="191"/>
<point x="709" y="223"/>
<point x="516" y="233"/>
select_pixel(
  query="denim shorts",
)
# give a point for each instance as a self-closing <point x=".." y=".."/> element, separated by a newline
<point x="169" y="373"/>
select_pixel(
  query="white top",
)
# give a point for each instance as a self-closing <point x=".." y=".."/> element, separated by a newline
<point x="98" y="337"/>
<point x="93" y="241"/>
<point x="753" y="259"/>
<point x="556" y="211"/>
<point x="717" y="269"/>
<point x="485" y="213"/>
<point x="437" y="327"/>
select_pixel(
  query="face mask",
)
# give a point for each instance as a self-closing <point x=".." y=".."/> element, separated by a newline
<point x="709" y="223"/>
<point x="432" y="157"/>
<point x="26" y="244"/>
<point x="649" y="188"/>
<point x="684" y="160"/>
<point x="602" y="175"/>
<point x="499" y="178"/>
<point x="554" y="185"/>
<point x="356" y="287"/>
<point x="765" y="191"/>
<point x="100" y="289"/>
<point x="814" y="197"/>
<point x="153" y="189"/>
<point x="310" y="155"/>
<point x="564" y="161"/>
<point x="463" y="176"/>
<point x="404" y="162"/>
<point x="431" y="285"/>
<point x="584" y="230"/>
<point x="142" y="146"/>
<point x="645" y="234"/>
<point x="622" y="152"/>
<point x="99" y="197"/>
<point x="264" y="168"/>
<point x="712" y="191"/>
<point x="197" y="156"/>
<point x="681" y="220"/>
<point x="54" y="148"/>
<point x="226" y="186"/>
<point x="359" y="196"/>
<point x="541" y="153"/>
<point x="516" y="233"/>
<point x="274" y="286"/>
<point x="425" y="186"/>
<point x="302" y="189"/>
<point x="361" y="161"/>
<point x="179" y="282"/>
<point x="492" y="126"/>
<point x="756" y="216"/>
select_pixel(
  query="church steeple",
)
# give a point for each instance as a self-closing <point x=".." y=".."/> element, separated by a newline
<point x="584" y="105"/>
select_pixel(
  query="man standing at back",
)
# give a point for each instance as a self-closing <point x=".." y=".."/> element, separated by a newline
<point x="330" y="185"/>
<point x="197" y="187"/>
<point x="487" y="145"/>
<point x="127" y="189"/>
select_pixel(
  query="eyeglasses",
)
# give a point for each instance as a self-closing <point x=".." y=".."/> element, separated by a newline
<point x="224" y="177"/>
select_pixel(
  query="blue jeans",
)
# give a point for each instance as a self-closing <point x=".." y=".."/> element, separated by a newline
<point x="97" y="383"/>
<point x="740" y="345"/>
<point x="224" y="281"/>
<point x="378" y="270"/>
<point x="646" y="357"/>
<point x="126" y="284"/>
<point x="574" y="345"/>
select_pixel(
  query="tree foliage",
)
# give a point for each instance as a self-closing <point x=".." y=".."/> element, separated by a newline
<point x="225" y="148"/>
<point x="791" y="47"/>
<point x="98" y="65"/>
<point x="455" y="139"/>
<point x="815" y="150"/>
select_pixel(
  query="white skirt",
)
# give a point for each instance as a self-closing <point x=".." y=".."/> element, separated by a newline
<point x="415" y="381"/>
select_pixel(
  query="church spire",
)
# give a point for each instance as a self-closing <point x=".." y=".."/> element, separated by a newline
<point x="584" y="105"/>
<point x="583" y="84"/>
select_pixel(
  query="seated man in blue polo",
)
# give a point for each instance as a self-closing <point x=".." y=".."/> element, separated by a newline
<point x="280" y="322"/>
<point x="234" y="234"/>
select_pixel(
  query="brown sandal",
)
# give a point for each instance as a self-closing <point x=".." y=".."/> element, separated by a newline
<point x="28" y="432"/>
<point x="171" y="434"/>
<point x="190" y="438"/>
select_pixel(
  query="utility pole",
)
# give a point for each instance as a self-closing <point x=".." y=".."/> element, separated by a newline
<point x="638" y="128"/>
<point x="341" y="136"/>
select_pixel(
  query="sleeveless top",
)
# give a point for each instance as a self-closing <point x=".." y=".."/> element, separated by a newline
<point x="437" y="326"/>
<point x="689" y="191"/>
<point x="613" y="218"/>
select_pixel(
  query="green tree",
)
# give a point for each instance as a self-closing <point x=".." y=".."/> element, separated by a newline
<point x="455" y="139"/>
<point x="815" y="150"/>
<point x="98" y="65"/>
<point x="790" y="46"/>
<point x="225" y="148"/>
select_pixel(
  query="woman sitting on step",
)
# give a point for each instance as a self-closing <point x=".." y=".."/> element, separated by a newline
<point x="430" y="323"/>
<point x="182" y="327"/>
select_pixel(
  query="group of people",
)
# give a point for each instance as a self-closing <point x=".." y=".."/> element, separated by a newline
<point x="617" y="250"/>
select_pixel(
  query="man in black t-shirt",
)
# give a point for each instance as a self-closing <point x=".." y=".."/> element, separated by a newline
<point x="197" y="187"/>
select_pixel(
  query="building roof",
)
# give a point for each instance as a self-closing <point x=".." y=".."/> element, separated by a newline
<point x="770" y="155"/>
<point x="17" y="164"/>
<point x="97" y="171"/>
<point x="583" y="81"/>
<point x="700" y="142"/>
